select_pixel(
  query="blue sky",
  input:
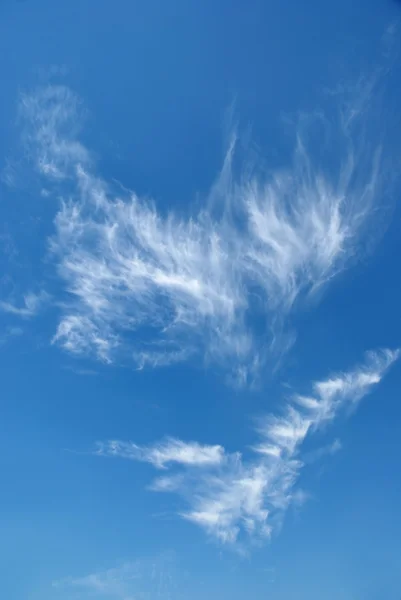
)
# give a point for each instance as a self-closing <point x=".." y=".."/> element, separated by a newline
<point x="199" y="300"/>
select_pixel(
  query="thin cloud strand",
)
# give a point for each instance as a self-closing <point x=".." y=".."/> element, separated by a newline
<point x="233" y="498"/>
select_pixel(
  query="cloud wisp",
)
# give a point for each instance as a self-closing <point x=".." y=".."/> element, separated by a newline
<point x="193" y="284"/>
<point x="156" y="578"/>
<point x="234" y="497"/>
<point x="165" y="453"/>
<point x="32" y="304"/>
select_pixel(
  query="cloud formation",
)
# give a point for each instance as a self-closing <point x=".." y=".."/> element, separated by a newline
<point x="163" y="454"/>
<point x="233" y="497"/>
<point x="196" y="283"/>
<point x="31" y="305"/>
<point x="155" y="578"/>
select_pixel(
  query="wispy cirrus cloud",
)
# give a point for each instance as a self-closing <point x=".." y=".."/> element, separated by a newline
<point x="32" y="303"/>
<point x="327" y="450"/>
<point x="156" y="578"/>
<point x="9" y="333"/>
<point x="164" y="453"/>
<point x="191" y="284"/>
<point x="111" y="582"/>
<point x="233" y="497"/>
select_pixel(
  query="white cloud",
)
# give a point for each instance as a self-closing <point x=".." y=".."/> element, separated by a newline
<point x="9" y="333"/>
<point x="191" y="283"/>
<point x="52" y="128"/>
<point x="169" y="451"/>
<point x="330" y="395"/>
<point x="81" y="335"/>
<point x="110" y="582"/>
<point x="31" y="305"/>
<point x="128" y="581"/>
<point x="327" y="450"/>
<point x="232" y="496"/>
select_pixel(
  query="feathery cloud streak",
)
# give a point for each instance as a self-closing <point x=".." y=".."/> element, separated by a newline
<point x="32" y="303"/>
<point x="131" y="580"/>
<point x="232" y="497"/>
<point x="165" y="453"/>
<point x="192" y="284"/>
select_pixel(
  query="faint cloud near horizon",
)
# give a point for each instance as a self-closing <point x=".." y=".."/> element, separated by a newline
<point x="154" y="578"/>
